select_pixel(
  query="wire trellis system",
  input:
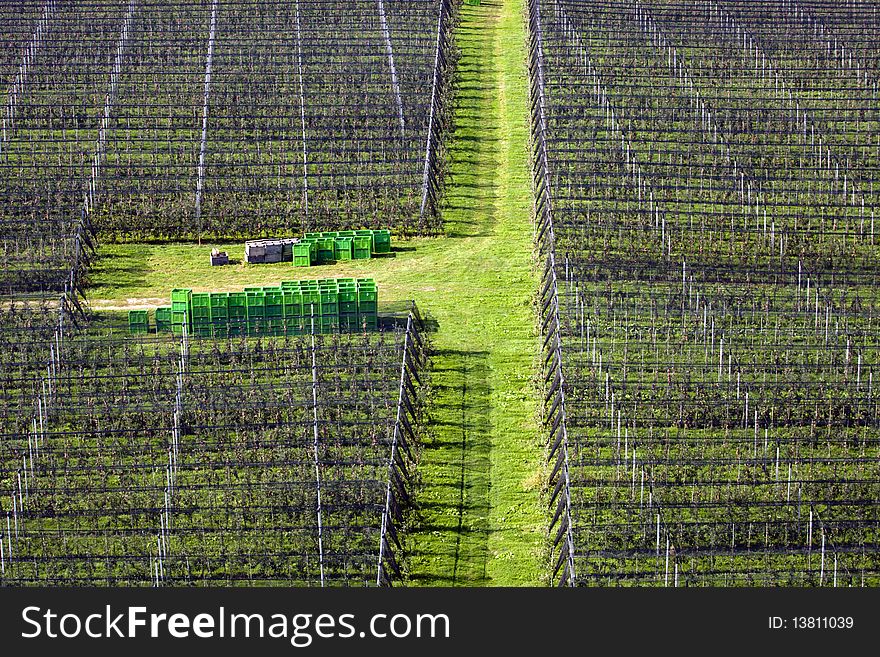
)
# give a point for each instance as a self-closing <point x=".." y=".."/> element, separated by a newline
<point x="707" y="193"/>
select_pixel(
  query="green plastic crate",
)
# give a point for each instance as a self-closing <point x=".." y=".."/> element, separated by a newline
<point x="326" y="250"/>
<point x="362" y="248"/>
<point x="274" y="301"/>
<point x="347" y="298"/>
<point x="310" y="295"/>
<point x="179" y="319"/>
<point x="367" y="293"/>
<point x="181" y="294"/>
<point x="256" y="309"/>
<point x="219" y="311"/>
<point x="237" y="326"/>
<point x="382" y="241"/>
<point x="201" y="308"/>
<point x="181" y="301"/>
<point x="349" y="321"/>
<point x="275" y="326"/>
<point x="329" y="302"/>
<point x="344" y="248"/>
<point x="292" y="325"/>
<point x="302" y="255"/>
<point x="257" y="325"/>
<point x="237" y="305"/>
<point x="163" y="319"/>
<point x="274" y="298"/>
<point x="220" y="327"/>
<point x="368" y="296"/>
<point x="203" y="329"/>
<point x="292" y="303"/>
<point x="309" y="321"/>
<point x="138" y="321"/>
<point x="329" y="323"/>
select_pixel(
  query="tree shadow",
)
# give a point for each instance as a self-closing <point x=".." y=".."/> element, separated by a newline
<point x="114" y="272"/>
<point x="451" y="533"/>
<point x="468" y="207"/>
<point x="396" y="313"/>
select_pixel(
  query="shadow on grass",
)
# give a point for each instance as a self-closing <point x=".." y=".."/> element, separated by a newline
<point x="394" y="316"/>
<point x="451" y="533"/>
<point x="469" y="206"/>
<point x="112" y="270"/>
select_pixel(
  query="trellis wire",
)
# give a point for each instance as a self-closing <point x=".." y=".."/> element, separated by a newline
<point x="17" y="86"/>
<point x="316" y="446"/>
<point x="209" y="62"/>
<point x="395" y="84"/>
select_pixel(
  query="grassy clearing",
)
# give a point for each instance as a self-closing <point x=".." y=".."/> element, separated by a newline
<point x="480" y="519"/>
<point x="142" y="275"/>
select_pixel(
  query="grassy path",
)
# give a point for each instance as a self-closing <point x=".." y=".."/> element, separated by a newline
<point x="480" y="520"/>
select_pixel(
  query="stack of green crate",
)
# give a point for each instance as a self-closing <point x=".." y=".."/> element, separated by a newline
<point x="256" y="310"/>
<point x="329" y="298"/>
<point x="345" y="244"/>
<point x="292" y="307"/>
<point x="326" y="305"/>
<point x="368" y="303"/>
<point x="311" y="306"/>
<point x="344" y="248"/>
<point x="348" y="312"/>
<point x="274" y="311"/>
<point x="201" y="314"/>
<point x="381" y="241"/>
<point x="138" y="321"/>
<point x="304" y="253"/>
<point x="236" y="304"/>
<point x="181" y="310"/>
<point x="326" y="245"/>
<point x="334" y="245"/>
<point x="163" y="319"/>
<point x="220" y="313"/>
<point x="362" y="247"/>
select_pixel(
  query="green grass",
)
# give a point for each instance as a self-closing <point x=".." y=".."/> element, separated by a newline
<point x="480" y="519"/>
